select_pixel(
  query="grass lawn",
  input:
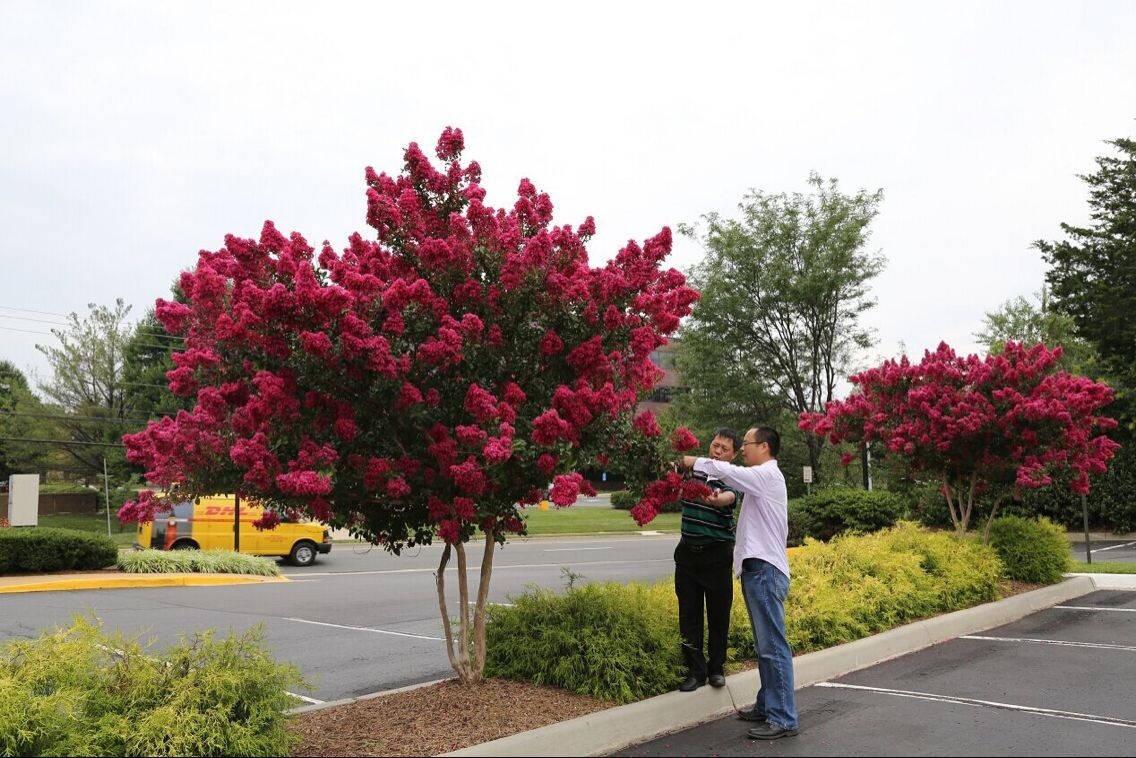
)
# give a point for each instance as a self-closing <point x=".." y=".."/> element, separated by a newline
<point x="121" y="534"/>
<point x="1080" y="567"/>
<point x="593" y="521"/>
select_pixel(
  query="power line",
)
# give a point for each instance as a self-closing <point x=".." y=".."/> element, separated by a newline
<point x="60" y="442"/>
<point x="29" y="310"/>
<point x="29" y="331"/>
<point x="104" y="419"/>
<point x="28" y="318"/>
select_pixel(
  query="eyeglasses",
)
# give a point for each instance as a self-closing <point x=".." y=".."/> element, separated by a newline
<point x="752" y="443"/>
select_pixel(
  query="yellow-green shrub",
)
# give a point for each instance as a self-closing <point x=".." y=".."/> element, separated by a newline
<point x="855" y="586"/>
<point x="82" y="691"/>
<point x="621" y="641"/>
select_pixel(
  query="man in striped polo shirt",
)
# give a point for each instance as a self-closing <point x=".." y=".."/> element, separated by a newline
<point x="703" y="571"/>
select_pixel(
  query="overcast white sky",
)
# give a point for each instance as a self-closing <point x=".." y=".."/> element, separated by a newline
<point x="135" y="134"/>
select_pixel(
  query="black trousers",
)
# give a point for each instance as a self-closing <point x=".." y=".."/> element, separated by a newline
<point x="704" y="579"/>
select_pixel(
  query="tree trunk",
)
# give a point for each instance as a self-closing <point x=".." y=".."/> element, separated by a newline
<point x="990" y="521"/>
<point x="947" y="493"/>
<point x="465" y="671"/>
<point x="479" y="612"/>
<point x="468" y="671"/>
<point x="440" y="578"/>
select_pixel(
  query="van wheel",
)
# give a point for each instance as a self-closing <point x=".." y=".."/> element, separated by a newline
<point x="303" y="553"/>
<point x="184" y="545"/>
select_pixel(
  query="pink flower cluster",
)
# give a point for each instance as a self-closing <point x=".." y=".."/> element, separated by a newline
<point x="425" y="381"/>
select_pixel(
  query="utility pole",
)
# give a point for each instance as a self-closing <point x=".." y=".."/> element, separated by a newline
<point x="106" y="491"/>
<point x="237" y="523"/>
<point x="1088" y="543"/>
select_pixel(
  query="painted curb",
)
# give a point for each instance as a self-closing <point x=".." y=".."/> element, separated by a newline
<point x="142" y="580"/>
<point x="369" y="696"/>
<point x="605" y="732"/>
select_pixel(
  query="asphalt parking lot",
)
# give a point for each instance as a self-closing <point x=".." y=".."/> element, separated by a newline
<point x="1057" y="682"/>
<point x="1112" y="551"/>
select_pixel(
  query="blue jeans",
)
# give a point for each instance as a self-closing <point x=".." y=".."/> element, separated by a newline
<point x="764" y="588"/>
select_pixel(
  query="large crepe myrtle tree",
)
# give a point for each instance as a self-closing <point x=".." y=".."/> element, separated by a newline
<point x="983" y="427"/>
<point x="424" y="384"/>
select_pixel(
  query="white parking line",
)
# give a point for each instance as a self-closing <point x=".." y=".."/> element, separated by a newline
<point x="1047" y="712"/>
<point x="495" y="568"/>
<point x="364" y="629"/>
<point x="1065" y="643"/>
<point x="306" y="699"/>
<point x="574" y="549"/>
<point x="1093" y="608"/>
<point x="1111" y="547"/>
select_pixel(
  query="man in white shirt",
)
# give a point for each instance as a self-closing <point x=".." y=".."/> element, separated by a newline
<point x="762" y="562"/>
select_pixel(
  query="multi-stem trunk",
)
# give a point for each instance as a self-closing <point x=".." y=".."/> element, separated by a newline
<point x="468" y="669"/>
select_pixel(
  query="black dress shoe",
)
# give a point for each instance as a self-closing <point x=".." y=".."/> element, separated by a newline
<point x="769" y="731"/>
<point x="752" y="715"/>
<point x="717" y="680"/>
<point x="690" y="684"/>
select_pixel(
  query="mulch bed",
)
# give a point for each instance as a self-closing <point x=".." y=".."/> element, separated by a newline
<point x="436" y="719"/>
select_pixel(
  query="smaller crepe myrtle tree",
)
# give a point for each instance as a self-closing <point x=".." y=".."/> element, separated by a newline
<point x="983" y="427"/>
<point x="425" y="384"/>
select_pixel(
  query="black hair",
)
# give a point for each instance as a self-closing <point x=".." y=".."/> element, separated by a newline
<point x="770" y="435"/>
<point x="729" y="434"/>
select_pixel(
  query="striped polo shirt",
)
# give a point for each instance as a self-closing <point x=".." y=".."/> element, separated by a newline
<point x="703" y="524"/>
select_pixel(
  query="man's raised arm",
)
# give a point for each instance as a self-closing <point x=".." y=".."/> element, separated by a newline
<point x="740" y="477"/>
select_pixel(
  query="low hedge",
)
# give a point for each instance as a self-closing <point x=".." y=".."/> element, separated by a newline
<point x="829" y="512"/>
<point x="195" y="562"/>
<point x="1032" y="550"/>
<point x="28" y="549"/>
<point x="622" y="500"/>
<point x="621" y="641"/>
<point x="83" y="691"/>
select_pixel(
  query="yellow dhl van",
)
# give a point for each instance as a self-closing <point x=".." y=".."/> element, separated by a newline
<point x="207" y="524"/>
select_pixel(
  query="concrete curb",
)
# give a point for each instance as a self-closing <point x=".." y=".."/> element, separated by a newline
<point x="141" y="580"/>
<point x="369" y="696"/>
<point x="1111" y="581"/>
<point x="605" y="732"/>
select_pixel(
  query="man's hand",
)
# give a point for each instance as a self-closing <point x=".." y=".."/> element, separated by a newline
<point x="687" y="462"/>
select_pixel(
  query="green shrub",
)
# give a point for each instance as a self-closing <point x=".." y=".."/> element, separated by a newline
<point x="605" y="640"/>
<point x="829" y="512"/>
<point x="195" y="562"/>
<point x="1031" y="550"/>
<point x="82" y="691"/>
<point x="621" y="641"/>
<point x="28" y="549"/>
<point x="798" y="523"/>
<point x="622" y="500"/>
<point x="1111" y="503"/>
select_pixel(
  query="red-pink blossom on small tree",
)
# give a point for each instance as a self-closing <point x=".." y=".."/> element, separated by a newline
<point x="426" y="383"/>
<point x="984" y="427"/>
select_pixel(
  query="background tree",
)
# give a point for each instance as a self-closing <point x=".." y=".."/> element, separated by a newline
<point x="783" y="288"/>
<point x="985" y="428"/>
<point x="1092" y="272"/>
<point x="1029" y="321"/>
<point x="23" y="416"/>
<point x="425" y="384"/>
<point x="87" y="383"/>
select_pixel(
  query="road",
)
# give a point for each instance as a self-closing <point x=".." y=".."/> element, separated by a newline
<point x="359" y="620"/>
